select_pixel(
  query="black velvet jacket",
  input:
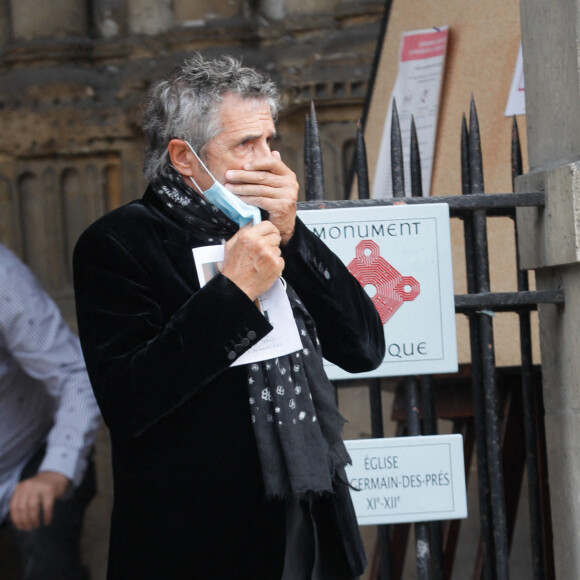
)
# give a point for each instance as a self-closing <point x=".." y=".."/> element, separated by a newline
<point x="188" y="491"/>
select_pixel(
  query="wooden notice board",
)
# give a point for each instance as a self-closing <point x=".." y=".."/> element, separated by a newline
<point x="484" y="40"/>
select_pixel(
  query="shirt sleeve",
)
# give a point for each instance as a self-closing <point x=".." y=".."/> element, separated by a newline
<point x="43" y="345"/>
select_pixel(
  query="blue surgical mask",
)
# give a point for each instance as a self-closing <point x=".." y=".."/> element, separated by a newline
<point x="237" y="210"/>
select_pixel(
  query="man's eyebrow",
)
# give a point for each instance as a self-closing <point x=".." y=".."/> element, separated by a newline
<point x="250" y="137"/>
<point x="253" y="136"/>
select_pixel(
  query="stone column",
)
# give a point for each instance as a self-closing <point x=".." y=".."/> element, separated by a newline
<point x="550" y="244"/>
<point x="109" y="18"/>
<point x="150" y="16"/>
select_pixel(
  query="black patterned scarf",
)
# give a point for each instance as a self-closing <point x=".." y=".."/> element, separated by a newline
<point x="295" y="417"/>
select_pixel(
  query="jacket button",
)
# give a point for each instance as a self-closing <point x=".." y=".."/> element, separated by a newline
<point x="231" y="355"/>
<point x="245" y="342"/>
<point x="251" y="335"/>
<point x="238" y="348"/>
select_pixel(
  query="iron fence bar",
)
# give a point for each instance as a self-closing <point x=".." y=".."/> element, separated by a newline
<point x="516" y="156"/>
<point x="433" y="529"/>
<point x="506" y="301"/>
<point x="375" y="401"/>
<point x="361" y="165"/>
<point x="483" y="487"/>
<point x="422" y="543"/>
<point x="315" y="157"/>
<point x="397" y="166"/>
<point x="308" y="177"/>
<point x="374" y="385"/>
<point x="495" y="204"/>
<point x="377" y="429"/>
<point x="422" y="547"/>
<point x="415" y="163"/>
<point x="430" y="428"/>
<point x="499" y="526"/>
<point x="412" y="405"/>
<point x="528" y="398"/>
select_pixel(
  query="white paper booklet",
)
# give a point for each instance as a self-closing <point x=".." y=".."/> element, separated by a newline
<point x="274" y="304"/>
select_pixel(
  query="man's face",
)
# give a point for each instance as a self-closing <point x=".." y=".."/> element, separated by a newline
<point x="247" y="129"/>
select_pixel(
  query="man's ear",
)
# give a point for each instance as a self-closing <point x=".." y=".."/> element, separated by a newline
<point x="181" y="156"/>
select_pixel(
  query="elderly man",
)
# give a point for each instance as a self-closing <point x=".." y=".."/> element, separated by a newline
<point x="221" y="470"/>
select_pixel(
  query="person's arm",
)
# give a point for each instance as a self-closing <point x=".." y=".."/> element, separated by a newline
<point x="349" y="327"/>
<point x="144" y="360"/>
<point x="34" y="495"/>
<point x="46" y="349"/>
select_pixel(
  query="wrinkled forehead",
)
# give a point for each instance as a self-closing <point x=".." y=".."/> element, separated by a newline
<point x="234" y="109"/>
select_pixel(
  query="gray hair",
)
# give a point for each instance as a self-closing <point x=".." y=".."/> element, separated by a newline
<point x="186" y="105"/>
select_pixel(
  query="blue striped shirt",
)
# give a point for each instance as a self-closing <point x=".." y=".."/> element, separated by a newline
<point x="45" y="394"/>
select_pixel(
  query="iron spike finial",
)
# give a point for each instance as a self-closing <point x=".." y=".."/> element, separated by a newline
<point x="416" y="179"/>
<point x="316" y="157"/>
<point x="475" y="156"/>
<point x="517" y="166"/>
<point x="308" y="185"/>
<point x="465" y="173"/>
<point x="361" y="166"/>
<point x="397" y="163"/>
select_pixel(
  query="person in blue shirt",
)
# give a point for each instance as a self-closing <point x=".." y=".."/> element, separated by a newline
<point x="48" y="423"/>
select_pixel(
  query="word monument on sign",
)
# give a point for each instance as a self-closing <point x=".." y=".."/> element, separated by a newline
<point x="401" y="255"/>
<point x="407" y="479"/>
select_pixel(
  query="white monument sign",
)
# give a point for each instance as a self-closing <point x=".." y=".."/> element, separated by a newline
<point x="402" y="257"/>
<point x="407" y="479"/>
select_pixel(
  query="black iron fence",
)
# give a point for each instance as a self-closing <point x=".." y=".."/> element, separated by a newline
<point x="503" y="418"/>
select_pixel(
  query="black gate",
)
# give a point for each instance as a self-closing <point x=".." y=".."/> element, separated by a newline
<point x="499" y="411"/>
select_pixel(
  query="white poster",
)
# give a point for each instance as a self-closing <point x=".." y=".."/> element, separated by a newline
<point x="516" y="104"/>
<point x="417" y="91"/>
<point x="401" y="255"/>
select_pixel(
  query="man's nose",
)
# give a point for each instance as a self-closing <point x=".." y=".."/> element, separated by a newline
<point x="263" y="149"/>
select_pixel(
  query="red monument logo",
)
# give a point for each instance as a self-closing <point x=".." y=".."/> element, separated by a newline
<point x="392" y="289"/>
